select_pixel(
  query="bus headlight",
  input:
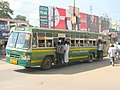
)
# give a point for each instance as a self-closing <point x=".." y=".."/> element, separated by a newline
<point x="25" y="57"/>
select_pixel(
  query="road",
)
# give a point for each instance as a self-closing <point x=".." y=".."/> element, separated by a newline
<point x="99" y="75"/>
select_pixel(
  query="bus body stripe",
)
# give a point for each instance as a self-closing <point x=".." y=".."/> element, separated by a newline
<point x="78" y="57"/>
<point x="70" y="49"/>
<point x="36" y="61"/>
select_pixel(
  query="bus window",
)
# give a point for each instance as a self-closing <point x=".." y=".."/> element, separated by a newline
<point x="81" y="35"/>
<point x="55" y="41"/>
<point x="24" y="40"/>
<point x="77" y="43"/>
<point x="34" y="40"/>
<point x="48" y="34"/>
<point x="77" y="35"/>
<point x="68" y="35"/>
<point x="86" y="43"/>
<point x="41" y="43"/>
<point x="94" y="43"/>
<point x="12" y="39"/>
<point x="48" y="43"/>
<point x="72" y="43"/>
<point x="73" y="36"/>
<point x="81" y="42"/>
<point x="55" y="35"/>
<point x="90" y="43"/>
<point x="41" y="34"/>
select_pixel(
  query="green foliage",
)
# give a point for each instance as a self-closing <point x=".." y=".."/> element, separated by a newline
<point x="5" y="10"/>
<point x="20" y="17"/>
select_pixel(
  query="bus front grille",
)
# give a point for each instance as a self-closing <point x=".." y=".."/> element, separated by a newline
<point x="14" y="56"/>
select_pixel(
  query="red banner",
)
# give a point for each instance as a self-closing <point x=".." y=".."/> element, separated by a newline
<point x="83" y="22"/>
<point x="60" y="15"/>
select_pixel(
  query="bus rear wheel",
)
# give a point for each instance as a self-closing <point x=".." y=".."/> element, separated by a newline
<point x="47" y="63"/>
<point x="90" y="58"/>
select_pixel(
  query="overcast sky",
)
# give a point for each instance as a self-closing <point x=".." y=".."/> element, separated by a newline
<point x="30" y="8"/>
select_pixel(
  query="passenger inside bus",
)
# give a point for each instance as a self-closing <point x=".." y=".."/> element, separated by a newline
<point x="41" y="43"/>
<point x="49" y="43"/>
<point x="72" y="43"/>
<point x="77" y="43"/>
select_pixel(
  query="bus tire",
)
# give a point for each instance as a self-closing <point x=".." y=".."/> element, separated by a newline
<point x="47" y="63"/>
<point x="90" y="58"/>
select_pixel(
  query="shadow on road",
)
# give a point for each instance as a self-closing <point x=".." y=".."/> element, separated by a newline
<point x="74" y="68"/>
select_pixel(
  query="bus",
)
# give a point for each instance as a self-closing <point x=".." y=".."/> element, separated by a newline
<point x="28" y="46"/>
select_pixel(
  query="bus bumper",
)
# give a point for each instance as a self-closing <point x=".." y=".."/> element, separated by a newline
<point x="24" y="63"/>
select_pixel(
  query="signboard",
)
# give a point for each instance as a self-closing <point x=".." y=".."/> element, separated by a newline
<point x="60" y="16"/>
<point x="43" y="16"/>
<point x="4" y="35"/>
<point x="104" y="23"/>
<point x="94" y="24"/>
<point x="83" y="21"/>
<point x="2" y="28"/>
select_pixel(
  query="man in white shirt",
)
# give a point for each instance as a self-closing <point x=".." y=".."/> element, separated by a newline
<point x="66" y="56"/>
<point x="112" y="51"/>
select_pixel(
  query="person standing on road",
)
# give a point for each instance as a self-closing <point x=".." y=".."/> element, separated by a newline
<point x="2" y="51"/>
<point x="58" y="53"/>
<point x="62" y="53"/>
<point x="66" y="56"/>
<point x="112" y="52"/>
<point x="100" y="50"/>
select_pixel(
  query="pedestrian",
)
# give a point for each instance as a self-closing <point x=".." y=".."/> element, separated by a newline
<point x="2" y="50"/>
<point x="58" y="53"/>
<point x="112" y="52"/>
<point x="62" y="53"/>
<point x="100" y="50"/>
<point x="66" y="50"/>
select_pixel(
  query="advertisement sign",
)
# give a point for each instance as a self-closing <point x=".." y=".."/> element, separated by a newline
<point x="94" y="24"/>
<point x="104" y="24"/>
<point x="75" y="18"/>
<point x="60" y="16"/>
<point x="2" y="28"/>
<point x="68" y="20"/>
<point x="4" y="35"/>
<point x="43" y="17"/>
<point x="114" y="25"/>
<point x="83" y="22"/>
<point x="88" y="22"/>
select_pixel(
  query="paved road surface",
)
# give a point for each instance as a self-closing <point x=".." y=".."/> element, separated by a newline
<point x="99" y="75"/>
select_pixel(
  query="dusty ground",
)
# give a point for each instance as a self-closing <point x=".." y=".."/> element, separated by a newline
<point x="99" y="75"/>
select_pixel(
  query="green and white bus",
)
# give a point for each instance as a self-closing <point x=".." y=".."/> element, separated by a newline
<point x="28" y="46"/>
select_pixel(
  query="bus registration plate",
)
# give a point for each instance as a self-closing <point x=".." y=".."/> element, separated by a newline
<point x="12" y="61"/>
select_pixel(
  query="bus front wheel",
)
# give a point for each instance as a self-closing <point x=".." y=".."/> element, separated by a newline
<point x="47" y="63"/>
<point x="90" y="57"/>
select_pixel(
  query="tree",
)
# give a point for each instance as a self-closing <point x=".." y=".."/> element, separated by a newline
<point x="20" y="17"/>
<point x="5" y="10"/>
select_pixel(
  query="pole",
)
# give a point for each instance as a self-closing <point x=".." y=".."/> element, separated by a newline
<point x="53" y="17"/>
<point x="74" y="18"/>
<point x="74" y="8"/>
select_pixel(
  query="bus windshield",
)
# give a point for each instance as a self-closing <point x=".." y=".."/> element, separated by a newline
<point x="20" y="40"/>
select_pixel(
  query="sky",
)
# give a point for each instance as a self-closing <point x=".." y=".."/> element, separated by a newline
<point x="30" y="8"/>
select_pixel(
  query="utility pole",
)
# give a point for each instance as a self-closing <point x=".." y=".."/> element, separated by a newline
<point x="53" y="17"/>
<point x="74" y="8"/>
<point x="74" y="18"/>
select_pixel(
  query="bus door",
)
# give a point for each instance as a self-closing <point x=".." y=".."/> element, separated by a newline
<point x="61" y="37"/>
